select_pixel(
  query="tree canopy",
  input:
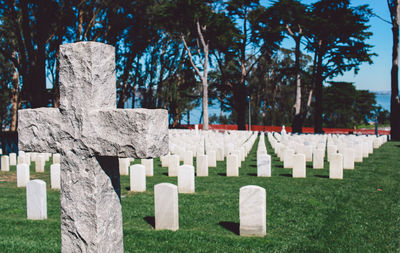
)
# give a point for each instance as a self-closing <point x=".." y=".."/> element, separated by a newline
<point x="178" y="54"/>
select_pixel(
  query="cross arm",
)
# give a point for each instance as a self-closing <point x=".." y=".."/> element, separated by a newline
<point x="39" y="130"/>
<point x="138" y="133"/>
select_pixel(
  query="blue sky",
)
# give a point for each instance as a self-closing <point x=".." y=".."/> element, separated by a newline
<point x="374" y="77"/>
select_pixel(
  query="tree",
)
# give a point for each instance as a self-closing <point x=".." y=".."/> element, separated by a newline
<point x="337" y="38"/>
<point x="293" y="19"/>
<point x="239" y="10"/>
<point x="5" y="82"/>
<point x="394" y="8"/>
<point x="346" y="107"/>
<point x="203" y="74"/>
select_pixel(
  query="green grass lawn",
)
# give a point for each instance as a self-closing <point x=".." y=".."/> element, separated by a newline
<point x="314" y="214"/>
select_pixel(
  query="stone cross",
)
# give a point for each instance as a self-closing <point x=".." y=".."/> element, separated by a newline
<point x="90" y="134"/>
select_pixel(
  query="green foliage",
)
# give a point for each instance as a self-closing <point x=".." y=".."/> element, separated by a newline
<point x="245" y="50"/>
<point x="346" y="107"/>
<point x="314" y="214"/>
<point x="382" y="115"/>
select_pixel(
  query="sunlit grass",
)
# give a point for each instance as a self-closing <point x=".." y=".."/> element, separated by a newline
<point x="360" y="213"/>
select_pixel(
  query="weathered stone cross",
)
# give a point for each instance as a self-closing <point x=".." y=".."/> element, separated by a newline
<point x="90" y="133"/>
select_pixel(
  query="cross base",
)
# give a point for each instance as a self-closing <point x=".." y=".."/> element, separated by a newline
<point x="90" y="206"/>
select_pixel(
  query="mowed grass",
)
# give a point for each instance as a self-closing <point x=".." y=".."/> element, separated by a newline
<point x="360" y="213"/>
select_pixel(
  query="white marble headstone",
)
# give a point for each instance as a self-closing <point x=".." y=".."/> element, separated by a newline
<point x="186" y="179"/>
<point x="232" y="166"/>
<point x="138" y="178"/>
<point x="13" y="159"/>
<point x="36" y="200"/>
<point x="55" y="176"/>
<point x="299" y="166"/>
<point x="22" y="175"/>
<point x="173" y="163"/>
<point x="56" y="158"/>
<point x="149" y="165"/>
<point x="124" y="166"/>
<point x="336" y="167"/>
<point x="252" y="211"/>
<point x="166" y="210"/>
<point x="263" y="166"/>
<point x="202" y="166"/>
<point x="39" y="163"/>
<point x="5" y="163"/>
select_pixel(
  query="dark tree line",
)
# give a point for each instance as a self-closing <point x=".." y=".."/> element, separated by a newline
<point x="178" y="54"/>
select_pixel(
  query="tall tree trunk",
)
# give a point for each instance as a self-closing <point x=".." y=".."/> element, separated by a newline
<point x="203" y="76"/>
<point x="39" y="97"/>
<point x="318" y="110"/>
<point x="394" y="101"/>
<point x="14" y="97"/>
<point x="240" y="105"/>
<point x="205" y="104"/>
<point x="297" y="124"/>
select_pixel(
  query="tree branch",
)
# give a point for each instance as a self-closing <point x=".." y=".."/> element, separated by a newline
<point x="191" y="57"/>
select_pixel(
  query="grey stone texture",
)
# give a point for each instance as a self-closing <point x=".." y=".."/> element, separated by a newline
<point x="90" y="134"/>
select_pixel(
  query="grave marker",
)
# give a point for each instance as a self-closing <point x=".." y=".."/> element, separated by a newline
<point x="252" y="205"/>
<point x="166" y="210"/>
<point x="173" y="164"/>
<point x="232" y="166"/>
<point x="90" y="134"/>
<point x="149" y="165"/>
<point x="5" y="163"/>
<point x="55" y="176"/>
<point x="263" y="166"/>
<point x="299" y="166"/>
<point x="202" y="166"/>
<point x="186" y="179"/>
<point x="36" y="200"/>
<point x="13" y="159"/>
<point x="22" y="175"/>
<point x="138" y="178"/>
<point x="336" y="167"/>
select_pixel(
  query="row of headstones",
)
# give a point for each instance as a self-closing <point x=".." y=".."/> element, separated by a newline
<point x="345" y="159"/>
<point x="234" y="159"/>
<point x="252" y="205"/>
<point x="23" y="166"/>
<point x="263" y="159"/>
<point x="26" y="158"/>
<point x="252" y="209"/>
<point x="181" y="141"/>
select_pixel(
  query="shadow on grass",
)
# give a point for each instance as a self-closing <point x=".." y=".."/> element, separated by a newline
<point x="252" y="165"/>
<point x="222" y="174"/>
<point x="397" y="146"/>
<point x="151" y="220"/>
<point x="309" y="166"/>
<point x="321" y="176"/>
<point x="279" y="166"/>
<point x="165" y="174"/>
<point x="252" y="174"/>
<point x="128" y="188"/>
<point x="285" y="175"/>
<point x="229" y="225"/>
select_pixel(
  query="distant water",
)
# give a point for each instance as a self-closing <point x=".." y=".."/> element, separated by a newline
<point x="382" y="99"/>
